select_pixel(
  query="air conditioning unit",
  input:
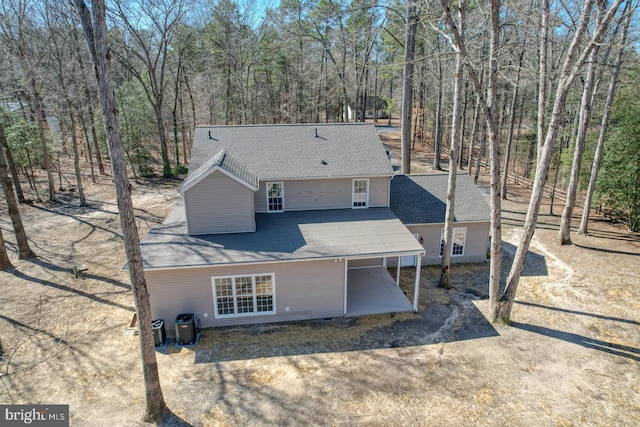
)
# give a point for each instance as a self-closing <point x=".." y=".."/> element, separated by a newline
<point x="185" y="328"/>
<point x="159" y="333"/>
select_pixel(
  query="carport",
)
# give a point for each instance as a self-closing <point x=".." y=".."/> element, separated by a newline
<point x="373" y="291"/>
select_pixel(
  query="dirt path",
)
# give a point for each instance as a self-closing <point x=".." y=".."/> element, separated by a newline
<point x="572" y="356"/>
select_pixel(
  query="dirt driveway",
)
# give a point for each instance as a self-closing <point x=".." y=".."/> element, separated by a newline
<point x="572" y="356"/>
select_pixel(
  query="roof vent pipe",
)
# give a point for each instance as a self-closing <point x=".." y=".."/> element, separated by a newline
<point x="316" y="132"/>
<point x="210" y="137"/>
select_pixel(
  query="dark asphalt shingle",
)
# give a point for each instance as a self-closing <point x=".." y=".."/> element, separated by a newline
<point x="294" y="151"/>
<point x="421" y="199"/>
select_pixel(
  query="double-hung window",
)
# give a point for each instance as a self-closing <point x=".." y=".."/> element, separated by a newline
<point x="243" y="295"/>
<point x="275" y="197"/>
<point x="458" y="239"/>
<point x="360" y="196"/>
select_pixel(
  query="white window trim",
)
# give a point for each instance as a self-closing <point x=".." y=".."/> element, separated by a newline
<point x="453" y="234"/>
<point x="253" y="289"/>
<point x="267" y="194"/>
<point x="353" y="193"/>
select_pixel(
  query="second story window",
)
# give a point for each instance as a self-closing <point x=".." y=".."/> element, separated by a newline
<point x="275" y="197"/>
<point x="360" y="193"/>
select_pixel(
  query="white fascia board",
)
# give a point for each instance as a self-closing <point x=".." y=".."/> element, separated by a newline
<point x="205" y="173"/>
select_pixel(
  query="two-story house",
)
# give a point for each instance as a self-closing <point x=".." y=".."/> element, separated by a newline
<point x="283" y="222"/>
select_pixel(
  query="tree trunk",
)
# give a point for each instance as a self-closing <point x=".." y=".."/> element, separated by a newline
<point x="490" y="108"/>
<point x="437" y="137"/>
<point x="14" y="171"/>
<point x="542" y="82"/>
<point x="96" y="34"/>
<point x="94" y="138"/>
<point x="24" y="251"/>
<point x="407" y="85"/>
<point x="76" y="159"/>
<point x="494" y="161"/>
<point x="390" y="97"/>
<point x="40" y="120"/>
<point x="474" y="131"/>
<point x="85" y="132"/>
<point x="174" y="111"/>
<point x="90" y="113"/>
<point x="595" y="166"/>
<point x="164" y="151"/>
<point x="453" y="161"/>
<point x="463" y="126"/>
<point x="555" y="179"/>
<point x="5" y="262"/>
<point x="481" y="150"/>
<point x="564" y="234"/>
<point x="512" y="121"/>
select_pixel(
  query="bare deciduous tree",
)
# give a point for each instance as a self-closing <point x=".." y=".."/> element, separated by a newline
<point x="564" y="233"/>
<point x="95" y="29"/>
<point x="453" y="158"/>
<point x="489" y="105"/>
<point x="145" y="54"/>
<point x="597" y="157"/>
<point x="407" y="84"/>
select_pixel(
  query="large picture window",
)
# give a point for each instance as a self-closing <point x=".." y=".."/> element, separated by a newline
<point x="275" y="197"/>
<point x="360" y="198"/>
<point x="458" y="239"/>
<point x="243" y="295"/>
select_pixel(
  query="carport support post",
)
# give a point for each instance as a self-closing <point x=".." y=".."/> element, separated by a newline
<point x="417" y="288"/>
<point x="398" y="273"/>
<point x="346" y="275"/>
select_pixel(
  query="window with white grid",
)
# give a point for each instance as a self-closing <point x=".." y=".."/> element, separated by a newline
<point x="224" y="295"/>
<point x="360" y="193"/>
<point x="459" y="235"/>
<point x="264" y="293"/>
<point x="275" y="197"/>
<point x="243" y="295"/>
<point x="458" y="239"/>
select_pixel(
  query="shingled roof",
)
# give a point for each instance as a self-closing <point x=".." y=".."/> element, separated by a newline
<point x="421" y="199"/>
<point x="225" y="163"/>
<point x="294" y="151"/>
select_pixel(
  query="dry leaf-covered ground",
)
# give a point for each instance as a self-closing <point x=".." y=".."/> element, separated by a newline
<point x="572" y="356"/>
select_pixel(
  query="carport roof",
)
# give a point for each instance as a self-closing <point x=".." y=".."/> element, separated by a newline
<point x="287" y="236"/>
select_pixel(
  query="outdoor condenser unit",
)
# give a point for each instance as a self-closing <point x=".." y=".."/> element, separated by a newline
<point x="185" y="328"/>
<point x="159" y="333"/>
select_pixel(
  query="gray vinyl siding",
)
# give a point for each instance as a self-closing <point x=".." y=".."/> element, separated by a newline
<point x="323" y="194"/>
<point x="310" y="289"/>
<point x="475" y="246"/>
<point x="218" y="205"/>
<point x="368" y="262"/>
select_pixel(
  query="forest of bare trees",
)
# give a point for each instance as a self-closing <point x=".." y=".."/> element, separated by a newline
<point x="525" y="89"/>
<point x="179" y="63"/>
<point x="534" y="85"/>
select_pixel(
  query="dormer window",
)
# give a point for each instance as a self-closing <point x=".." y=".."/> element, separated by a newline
<point x="360" y="197"/>
<point x="275" y="197"/>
